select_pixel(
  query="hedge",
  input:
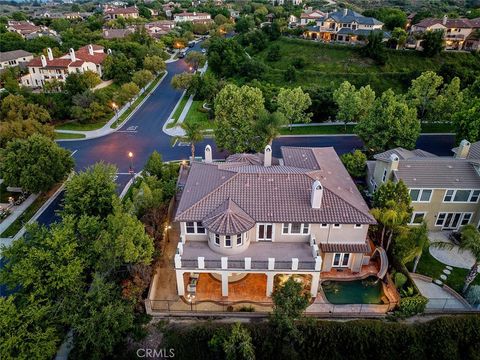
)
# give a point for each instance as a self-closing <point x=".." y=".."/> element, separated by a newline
<point x="455" y="337"/>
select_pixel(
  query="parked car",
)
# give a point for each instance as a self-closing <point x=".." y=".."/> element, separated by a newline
<point x="191" y="44"/>
<point x="182" y="54"/>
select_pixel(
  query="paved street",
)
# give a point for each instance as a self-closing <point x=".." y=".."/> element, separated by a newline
<point x="143" y="134"/>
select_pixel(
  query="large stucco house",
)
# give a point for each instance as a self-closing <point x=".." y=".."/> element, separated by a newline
<point x="343" y="26"/>
<point x="445" y="190"/>
<point x="458" y="34"/>
<point x="299" y="215"/>
<point x="47" y="68"/>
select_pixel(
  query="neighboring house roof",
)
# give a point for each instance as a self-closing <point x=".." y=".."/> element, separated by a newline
<point x="121" y="10"/>
<point x="277" y="193"/>
<point x="403" y="154"/>
<point x="194" y="14"/>
<point x="350" y="16"/>
<point x="12" y="55"/>
<point x="82" y="55"/>
<point x="450" y="23"/>
<point x="439" y="172"/>
<point x="116" y="33"/>
<point x="251" y="159"/>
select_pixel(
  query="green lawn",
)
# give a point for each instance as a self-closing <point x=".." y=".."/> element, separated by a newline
<point x="340" y="129"/>
<point x="433" y="268"/>
<point x="327" y="65"/>
<point x="80" y="127"/>
<point x="136" y="103"/>
<point x="196" y="114"/>
<point x="60" y="136"/>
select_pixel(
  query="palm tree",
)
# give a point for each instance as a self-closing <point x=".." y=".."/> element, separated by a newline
<point x="416" y="241"/>
<point x="193" y="134"/>
<point x="269" y="124"/>
<point x="392" y="217"/>
<point x="470" y="242"/>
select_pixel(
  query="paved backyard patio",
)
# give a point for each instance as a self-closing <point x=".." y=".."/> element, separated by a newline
<point x="453" y="257"/>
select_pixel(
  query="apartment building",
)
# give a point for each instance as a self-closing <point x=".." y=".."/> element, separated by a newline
<point x="343" y="26"/>
<point x="254" y="216"/>
<point x="47" y="68"/>
<point x="445" y="191"/>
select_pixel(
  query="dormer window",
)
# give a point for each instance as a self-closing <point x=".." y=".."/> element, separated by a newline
<point x="228" y="241"/>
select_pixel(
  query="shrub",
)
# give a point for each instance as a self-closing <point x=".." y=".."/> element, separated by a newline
<point x="274" y="53"/>
<point x="400" y="280"/>
<point x="247" y="308"/>
<point x="412" y="305"/>
<point x="299" y="62"/>
<point x="473" y="295"/>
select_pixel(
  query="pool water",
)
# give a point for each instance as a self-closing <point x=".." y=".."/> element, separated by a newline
<point x="367" y="291"/>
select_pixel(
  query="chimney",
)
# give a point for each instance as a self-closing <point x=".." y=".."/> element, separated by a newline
<point x="72" y="55"/>
<point x="317" y="194"/>
<point x="90" y="49"/>
<point x="49" y="54"/>
<point x="445" y="18"/>
<point x="345" y="12"/>
<point x="393" y="163"/>
<point x="44" y="60"/>
<point x="208" y="154"/>
<point x="463" y="150"/>
<point x="267" y="158"/>
<point x="194" y="13"/>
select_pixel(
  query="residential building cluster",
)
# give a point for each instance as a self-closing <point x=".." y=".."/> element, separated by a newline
<point x="14" y="58"/>
<point x="47" y="68"/>
<point x="29" y="30"/>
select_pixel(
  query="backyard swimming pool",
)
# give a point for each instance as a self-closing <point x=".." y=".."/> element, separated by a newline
<point x="367" y="291"/>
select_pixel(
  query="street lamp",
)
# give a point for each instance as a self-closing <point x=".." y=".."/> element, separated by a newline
<point x="130" y="156"/>
<point x="115" y="108"/>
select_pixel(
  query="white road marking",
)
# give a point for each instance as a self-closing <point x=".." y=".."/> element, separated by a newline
<point x="73" y="152"/>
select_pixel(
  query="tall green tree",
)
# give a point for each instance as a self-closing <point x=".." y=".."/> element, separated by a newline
<point x="424" y="91"/>
<point x="411" y="243"/>
<point x="269" y="126"/>
<point x="195" y="59"/>
<point x="154" y="63"/>
<point x="353" y="105"/>
<point x="389" y="123"/>
<point x="35" y="164"/>
<point x="182" y="81"/>
<point x="397" y="192"/>
<point x="16" y="108"/>
<point x="91" y="192"/>
<point x="449" y="101"/>
<point x="238" y="346"/>
<point x="391" y="218"/>
<point x="470" y="242"/>
<point x="127" y="92"/>
<point x="142" y="77"/>
<point x="432" y="43"/>
<point x="467" y="121"/>
<point x="355" y="163"/>
<point x="293" y="104"/>
<point x="236" y="114"/>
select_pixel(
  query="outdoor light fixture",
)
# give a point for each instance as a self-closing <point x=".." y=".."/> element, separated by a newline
<point x="130" y="155"/>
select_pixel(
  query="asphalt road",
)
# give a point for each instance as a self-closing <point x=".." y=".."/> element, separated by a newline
<point x="143" y="134"/>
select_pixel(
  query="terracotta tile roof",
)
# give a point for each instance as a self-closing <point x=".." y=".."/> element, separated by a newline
<point x="252" y="159"/>
<point x="345" y="248"/>
<point x="450" y="23"/>
<point x="228" y="219"/>
<point x="403" y="154"/>
<point x="128" y="10"/>
<point x="279" y="193"/>
<point x="82" y="55"/>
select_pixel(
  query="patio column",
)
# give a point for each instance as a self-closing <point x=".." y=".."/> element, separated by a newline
<point x="224" y="283"/>
<point x="270" y="277"/>
<point x="314" y="284"/>
<point x="180" y="284"/>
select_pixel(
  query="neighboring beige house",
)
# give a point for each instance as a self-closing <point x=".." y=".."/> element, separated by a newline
<point x="445" y="191"/>
<point x="193" y="17"/>
<point x="267" y="218"/>
<point x="311" y="16"/>
<point x="14" y="58"/>
<point x="455" y="32"/>
<point x="112" y="13"/>
<point x="160" y="27"/>
<point x="345" y="26"/>
<point x="117" y="33"/>
<point x="47" y="68"/>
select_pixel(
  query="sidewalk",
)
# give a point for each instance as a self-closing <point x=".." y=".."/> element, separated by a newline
<point x="177" y="130"/>
<point x="17" y="212"/>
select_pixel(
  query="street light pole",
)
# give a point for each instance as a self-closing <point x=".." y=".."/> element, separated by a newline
<point x="130" y="170"/>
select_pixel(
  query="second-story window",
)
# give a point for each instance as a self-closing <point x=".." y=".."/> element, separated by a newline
<point x="421" y="195"/>
<point x="228" y="241"/>
<point x="295" y="228"/>
<point x="461" y="196"/>
<point x="217" y="239"/>
<point x="195" y="228"/>
<point x="384" y="177"/>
